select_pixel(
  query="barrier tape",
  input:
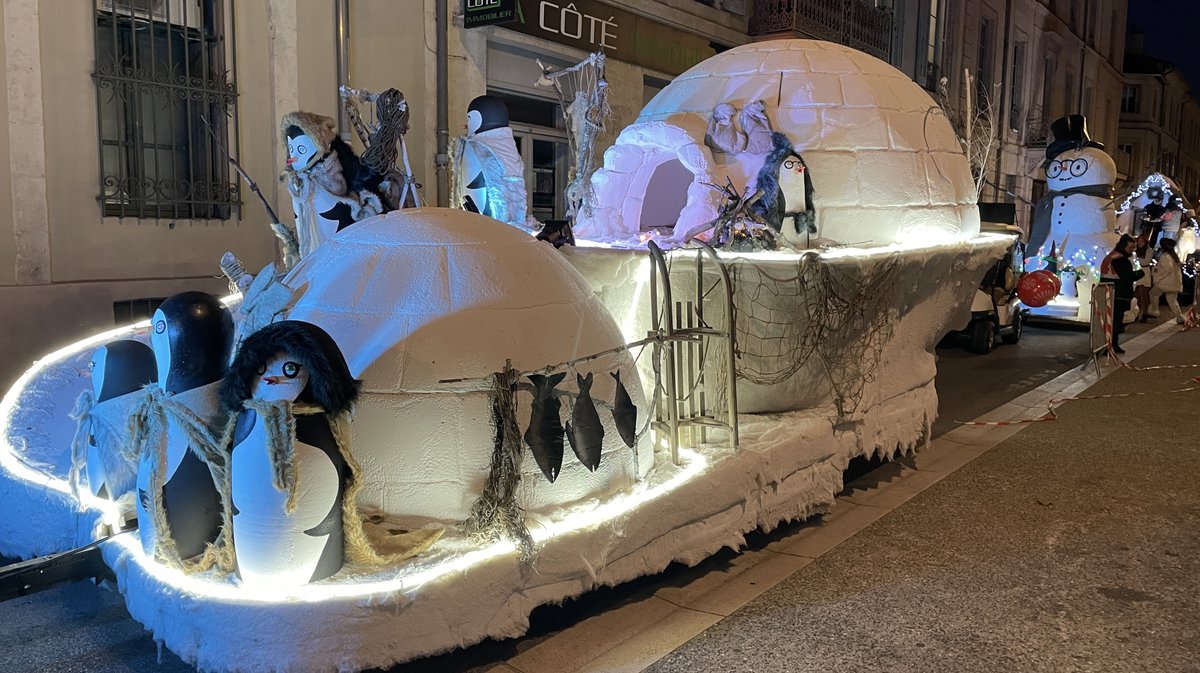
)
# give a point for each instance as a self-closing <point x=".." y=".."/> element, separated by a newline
<point x="1107" y="323"/>
<point x="1052" y="415"/>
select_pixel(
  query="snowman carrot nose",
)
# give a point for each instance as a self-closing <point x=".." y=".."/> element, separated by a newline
<point x="271" y="380"/>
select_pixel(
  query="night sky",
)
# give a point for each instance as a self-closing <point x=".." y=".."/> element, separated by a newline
<point x="1163" y="23"/>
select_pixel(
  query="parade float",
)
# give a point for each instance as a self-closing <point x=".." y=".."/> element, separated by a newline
<point x="435" y="422"/>
<point x="1074" y="224"/>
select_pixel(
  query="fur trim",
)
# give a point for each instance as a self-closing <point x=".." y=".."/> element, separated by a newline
<point x="330" y="384"/>
<point x="320" y="128"/>
<point x="767" y="182"/>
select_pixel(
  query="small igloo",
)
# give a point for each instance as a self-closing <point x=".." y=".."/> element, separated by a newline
<point x="885" y="164"/>
<point x="420" y="296"/>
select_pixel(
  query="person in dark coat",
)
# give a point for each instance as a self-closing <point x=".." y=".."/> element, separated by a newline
<point x="1117" y="268"/>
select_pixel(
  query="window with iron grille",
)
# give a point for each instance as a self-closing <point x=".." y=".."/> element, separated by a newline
<point x="166" y="101"/>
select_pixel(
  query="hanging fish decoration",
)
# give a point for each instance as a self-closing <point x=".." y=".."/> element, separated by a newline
<point x="544" y="437"/>
<point x="624" y="413"/>
<point x="585" y="431"/>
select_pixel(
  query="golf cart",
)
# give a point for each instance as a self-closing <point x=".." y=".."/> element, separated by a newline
<point x="995" y="311"/>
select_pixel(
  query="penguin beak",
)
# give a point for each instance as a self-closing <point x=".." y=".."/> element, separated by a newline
<point x="270" y="380"/>
<point x="291" y="160"/>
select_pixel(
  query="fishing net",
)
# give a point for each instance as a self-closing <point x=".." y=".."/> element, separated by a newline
<point x="833" y="316"/>
<point x="583" y="97"/>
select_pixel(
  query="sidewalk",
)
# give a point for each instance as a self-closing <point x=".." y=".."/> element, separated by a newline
<point x="1068" y="545"/>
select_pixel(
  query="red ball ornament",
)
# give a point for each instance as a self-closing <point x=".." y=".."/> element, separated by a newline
<point x="1035" y="289"/>
<point x="1053" y="278"/>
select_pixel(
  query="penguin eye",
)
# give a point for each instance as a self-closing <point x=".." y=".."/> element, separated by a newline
<point x="262" y="369"/>
<point x="160" y="326"/>
<point x="1079" y="167"/>
<point x="291" y="369"/>
<point x="302" y="150"/>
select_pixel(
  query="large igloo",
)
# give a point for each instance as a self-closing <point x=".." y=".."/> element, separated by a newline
<point x="885" y="164"/>
<point x="416" y="297"/>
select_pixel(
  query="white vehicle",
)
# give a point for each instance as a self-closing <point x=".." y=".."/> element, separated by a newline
<point x="995" y="310"/>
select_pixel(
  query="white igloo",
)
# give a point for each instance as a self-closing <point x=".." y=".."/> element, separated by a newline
<point x="415" y="297"/>
<point x="885" y="164"/>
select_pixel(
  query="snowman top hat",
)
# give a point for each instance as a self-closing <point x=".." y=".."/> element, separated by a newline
<point x="1070" y="132"/>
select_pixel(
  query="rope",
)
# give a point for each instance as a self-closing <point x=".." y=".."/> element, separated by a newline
<point x="497" y="514"/>
<point x="81" y="414"/>
<point x="147" y="442"/>
<point x="1052" y="415"/>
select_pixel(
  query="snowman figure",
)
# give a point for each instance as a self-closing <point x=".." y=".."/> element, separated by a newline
<point x="1079" y="190"/>
<point x="492" y="171"/>
<point x="290" y="389"/>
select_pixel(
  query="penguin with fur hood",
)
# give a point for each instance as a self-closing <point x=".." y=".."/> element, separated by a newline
<point x="290" y="390"/>
<point x="331" y="187"/>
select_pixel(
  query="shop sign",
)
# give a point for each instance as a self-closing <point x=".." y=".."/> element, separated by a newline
<point x="591" y="25"/>
<point x="478" y="13"/>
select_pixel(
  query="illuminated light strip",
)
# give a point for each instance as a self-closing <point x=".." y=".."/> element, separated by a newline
<point x="11" y="462"/>
<point x="620" y="505"/>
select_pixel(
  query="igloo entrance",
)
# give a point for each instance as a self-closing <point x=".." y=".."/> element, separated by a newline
<point x="655" y="176"/>
<point x="667" y="190"/>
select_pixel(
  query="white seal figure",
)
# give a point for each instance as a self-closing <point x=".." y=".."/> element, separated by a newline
<point x="493" y="173"/>
<point x="192" y="336"/>
<point x="1079" y="192"/>
<point x="288" y="489"/>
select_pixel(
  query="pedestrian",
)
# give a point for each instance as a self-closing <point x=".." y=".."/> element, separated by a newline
<point x="1168" y="280"/>
<point x="1118" y="270"/>
<point x="1144" y="254"/>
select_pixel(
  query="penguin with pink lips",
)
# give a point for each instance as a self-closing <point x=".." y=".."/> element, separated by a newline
<point x="288" y="488"/>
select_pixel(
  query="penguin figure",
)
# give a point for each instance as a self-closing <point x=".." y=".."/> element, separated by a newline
<point x="288" y="490"/>
<point x="192" y="336"/>
<point x="786" y="186"/>
<point x="331" y="187"/>
<point x="493" y="173"/>
<point x="1079" y="189"/>
<point x="118" y="368"/>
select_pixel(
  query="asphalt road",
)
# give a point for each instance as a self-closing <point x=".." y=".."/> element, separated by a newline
<point x="80" y="627"/>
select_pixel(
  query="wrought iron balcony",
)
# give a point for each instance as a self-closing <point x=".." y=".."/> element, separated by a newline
<point x="853" y="23"/>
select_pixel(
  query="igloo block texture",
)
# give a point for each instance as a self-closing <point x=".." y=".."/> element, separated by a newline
<point x="873" y="140"/>
<point x="416" y="297"/>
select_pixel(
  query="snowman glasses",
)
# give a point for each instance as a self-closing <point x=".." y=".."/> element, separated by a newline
<point x="1076" y="167"/>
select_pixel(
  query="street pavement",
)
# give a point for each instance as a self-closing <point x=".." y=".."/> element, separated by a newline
<point x="1023" y="543"/>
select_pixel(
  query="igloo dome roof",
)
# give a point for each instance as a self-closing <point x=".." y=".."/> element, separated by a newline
<point x="884" y="161"/>
<point x="418" y="296"/>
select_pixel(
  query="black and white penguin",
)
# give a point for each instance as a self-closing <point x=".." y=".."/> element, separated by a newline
<point x="331" y="187"/>
<point x="485" y="113"/>
<point x="288" y="490"/>
<point x="118" y="368"/>
<point x="192" y="337"/>
<point x="493" y="173"/>
<point x="787" y="201"/>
